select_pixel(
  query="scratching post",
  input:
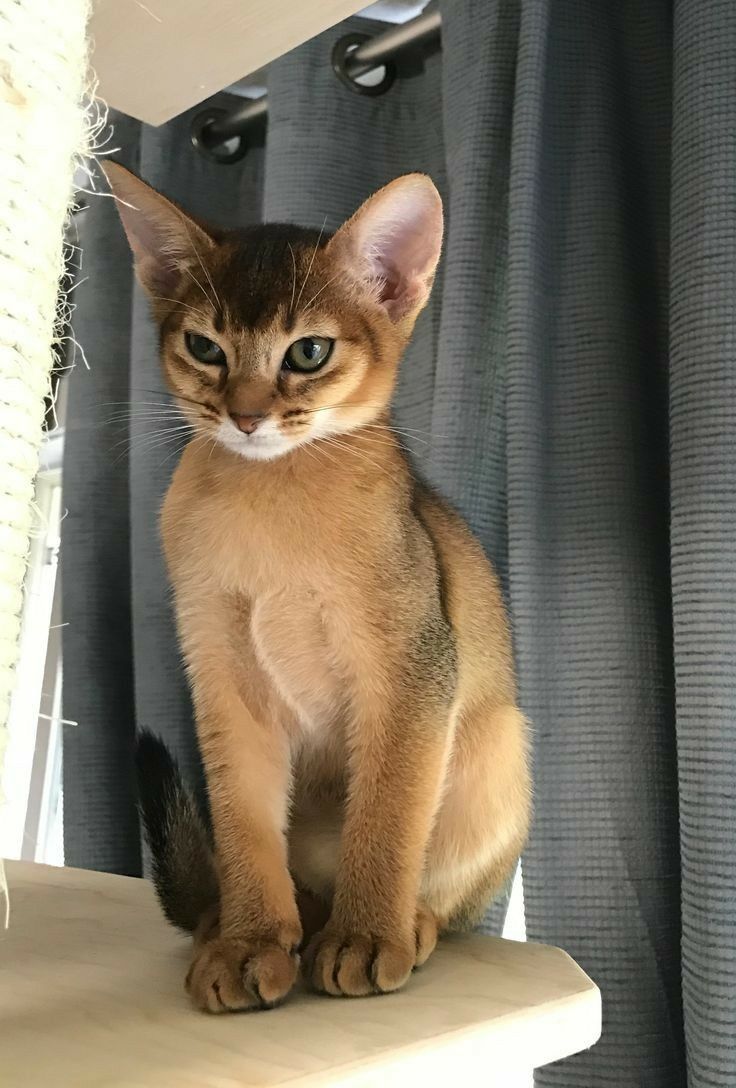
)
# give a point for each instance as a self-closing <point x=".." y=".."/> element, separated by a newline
<point x="43" y="75"/>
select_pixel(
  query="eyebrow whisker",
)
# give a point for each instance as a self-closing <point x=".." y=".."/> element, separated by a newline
<point x="314" y="254"/>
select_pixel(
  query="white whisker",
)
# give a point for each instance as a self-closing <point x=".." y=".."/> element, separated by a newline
<point x="179" y="302"/>
<point x="404" y="430"/>
<point x="293" y="281"/>
<point x="332" y="279"/>
<point x="124" y="404"/>
<point x="340" y="404"/>
<point x="321" y="449"/>
<point x="218" y="305"/>
<point x="141" y="441"/>
<point x="397" y="433"/>
<point x="389" y="441"/>
<point x="361" y="454"/>
<point x="314" y="254"/>
<point x="147" y="410"/>
<point x="118" y="419"/>
<point x="199" y="285"/>
<point x="179" y="449"/>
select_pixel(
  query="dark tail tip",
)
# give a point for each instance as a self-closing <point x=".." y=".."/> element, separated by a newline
<point x="183" y="867"/>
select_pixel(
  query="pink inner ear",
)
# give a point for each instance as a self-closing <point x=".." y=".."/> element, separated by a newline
<point x="400" y="236"/>
<point x="159" y="242"/>
<point x="161" y="236"/>
<point x="390" y="281"/>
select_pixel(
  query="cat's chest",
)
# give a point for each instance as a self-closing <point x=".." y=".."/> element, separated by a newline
<point x="297" y="573"/>
<point x="295" y="645"/>
<point x="257" y="545"/>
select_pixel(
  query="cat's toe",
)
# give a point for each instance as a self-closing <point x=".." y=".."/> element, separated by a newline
<point x="231" y="975"/>
<point x="426" y="936"/>
<point x="356" y="965"/>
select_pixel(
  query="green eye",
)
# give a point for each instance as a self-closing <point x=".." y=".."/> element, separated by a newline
<point x="308" y="354"/>
<point x="205" y="350"/>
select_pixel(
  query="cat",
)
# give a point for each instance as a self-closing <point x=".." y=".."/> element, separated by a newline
<point x="344" y="635"/>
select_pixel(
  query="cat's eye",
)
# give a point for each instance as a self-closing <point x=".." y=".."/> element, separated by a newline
<point x="205" y="350"/>
<point x="308" y="354"/>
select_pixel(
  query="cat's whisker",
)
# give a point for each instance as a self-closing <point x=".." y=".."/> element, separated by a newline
<point x="179" y="449"/>
<point x="387" y="442"/>
<point x="179" y="302"/>
<point x="142" y="406"/>
<point x="386" y="428"/>
<point x="379" y="426"/>
<point x="177" y="396"/>
<point x="360" y="454"/>
<point x="319" y="446"/>
<point x="404" y="430"/>
<point x="146" y="411"/>
<point x="142" y="441"/>
<point x="179" y="444"/>
<point x="166" y="429"/>
<point x="162" y="431"/>
<point x="132" y="446"/>
<point x="213" y="439"/>
<point x="309" y="269"/>
<point x="399" y="434"/>
<point x="379" y="429"/>
<point x="217" y="304"/>
<point x="153" y="444"/>
<point x="120" y="420"/>
<point x="293" y="281"/>
<point x="340" y="404"/>
<point x="134" y="403"/>
<point x="199" y="285"/>
<point x="138" y="419"/>
<point x="316" y="295"/>
<point x="310" y="453"/>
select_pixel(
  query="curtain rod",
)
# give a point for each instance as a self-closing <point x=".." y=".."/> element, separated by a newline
<point x="354" y="55"/>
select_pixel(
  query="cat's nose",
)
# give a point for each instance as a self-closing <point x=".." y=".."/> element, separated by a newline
<point x="247" y="424"/>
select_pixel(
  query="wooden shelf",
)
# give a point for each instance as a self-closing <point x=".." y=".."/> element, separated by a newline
<point x="92" y="996"/>
<point x="158" y="58"/>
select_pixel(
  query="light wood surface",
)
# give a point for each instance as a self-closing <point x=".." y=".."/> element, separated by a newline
<point x="91" y="995"/>
<point x="156" y="58"/>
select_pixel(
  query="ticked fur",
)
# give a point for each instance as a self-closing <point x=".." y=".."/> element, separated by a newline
<point x="344" y="634"/>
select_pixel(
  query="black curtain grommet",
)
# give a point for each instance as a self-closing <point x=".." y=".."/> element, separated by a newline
<point x="341" y="53"/>
<point x="224" y="153"/>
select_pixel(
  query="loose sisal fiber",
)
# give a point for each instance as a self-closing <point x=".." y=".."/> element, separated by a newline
<point x="43" y="126"/>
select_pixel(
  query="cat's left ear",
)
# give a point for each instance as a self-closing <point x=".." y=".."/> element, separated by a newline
<point x="164" y="240"/>
<point x="392" y="244"/>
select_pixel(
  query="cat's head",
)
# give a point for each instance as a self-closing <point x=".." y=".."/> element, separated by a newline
<point x="275" y="335"/>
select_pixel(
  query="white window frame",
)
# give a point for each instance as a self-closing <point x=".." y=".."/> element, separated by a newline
<point x="31" y="772"/>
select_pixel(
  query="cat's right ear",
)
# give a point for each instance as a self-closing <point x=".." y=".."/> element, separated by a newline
<point x="163" y="239"/>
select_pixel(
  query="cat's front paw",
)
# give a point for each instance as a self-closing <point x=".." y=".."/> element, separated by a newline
<point x="339" y="962"/>
<point x="229" y="975"/>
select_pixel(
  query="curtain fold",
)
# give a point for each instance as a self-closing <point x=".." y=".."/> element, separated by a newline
<point x="571" y="389"/>
<point x="588" y="517"/>
<point x="703" y="467"/>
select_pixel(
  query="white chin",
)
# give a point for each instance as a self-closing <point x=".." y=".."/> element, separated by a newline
<point x="265" y="444"/>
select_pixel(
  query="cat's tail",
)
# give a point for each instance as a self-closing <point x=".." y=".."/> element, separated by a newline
<point x="183" y="864"/>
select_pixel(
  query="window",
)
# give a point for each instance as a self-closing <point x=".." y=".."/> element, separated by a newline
<point x="31" y="825"/>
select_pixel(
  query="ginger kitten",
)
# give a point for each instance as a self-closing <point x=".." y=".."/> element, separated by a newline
<point x="344" y="635"/>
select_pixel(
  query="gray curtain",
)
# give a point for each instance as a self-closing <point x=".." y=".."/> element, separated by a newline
<point x="572" y="388"/>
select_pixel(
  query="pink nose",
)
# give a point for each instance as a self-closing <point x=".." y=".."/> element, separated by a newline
<point x="247" y="424"/>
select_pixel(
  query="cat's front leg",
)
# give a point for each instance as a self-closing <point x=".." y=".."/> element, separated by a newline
<point x="247" y="958"/>
<point x="378" y="932"/>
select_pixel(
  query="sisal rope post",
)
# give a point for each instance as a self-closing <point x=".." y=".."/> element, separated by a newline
<point x="43" y="126"/>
